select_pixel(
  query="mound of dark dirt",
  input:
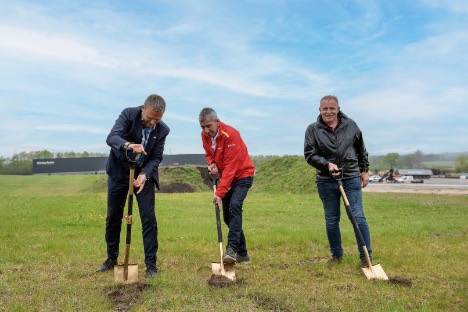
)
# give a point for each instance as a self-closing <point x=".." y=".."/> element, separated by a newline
<point x="125" y="296"/>
<point x="184" y="179"/>
<point x="220" y="281"/>
<point x="177" y="188"/>
<point x="205" y="176"/>
<point x="399" y="280"/>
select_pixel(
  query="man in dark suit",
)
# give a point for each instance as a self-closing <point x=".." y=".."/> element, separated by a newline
<point x="141" y="130"/>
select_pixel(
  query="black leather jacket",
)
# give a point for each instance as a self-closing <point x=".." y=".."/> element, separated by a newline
<point x="343" y="147"/>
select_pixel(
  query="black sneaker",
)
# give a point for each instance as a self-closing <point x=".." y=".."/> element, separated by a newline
<point x="107" y="265"/>
<point x="364" y="263"/>
<point x="151" y="271"/>
<point x="230" y="255"/>
<point x="335" y="259"/>
<point x="242" y="259"/>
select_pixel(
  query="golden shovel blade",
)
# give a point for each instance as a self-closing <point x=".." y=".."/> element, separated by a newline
<point x="228" y="270"/>
<point x="375" y="272"/>
<point x="132" y="275"/>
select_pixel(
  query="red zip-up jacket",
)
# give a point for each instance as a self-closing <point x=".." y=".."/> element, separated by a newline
<point x="230" y="155"/>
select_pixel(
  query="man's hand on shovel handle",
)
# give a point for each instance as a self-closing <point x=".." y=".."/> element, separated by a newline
<point x="335" y="171"/>
<point x="217" y="200"/>
<point x="213" y="169"/>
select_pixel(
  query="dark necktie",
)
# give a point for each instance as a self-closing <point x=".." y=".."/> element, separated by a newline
<point x="147" y="132"/>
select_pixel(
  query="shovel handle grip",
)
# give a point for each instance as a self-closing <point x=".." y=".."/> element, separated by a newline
<point x="338" y="177"/>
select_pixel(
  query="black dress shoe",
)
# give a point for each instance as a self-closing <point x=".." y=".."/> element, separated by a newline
<point x="107" y="265"/>
<point x="151" y="271"/>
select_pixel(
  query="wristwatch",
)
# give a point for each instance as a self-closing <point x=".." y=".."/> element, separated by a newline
<point x="364" y="170"/>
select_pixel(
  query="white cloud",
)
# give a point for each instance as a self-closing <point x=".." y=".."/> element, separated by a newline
<point x="263" y="67"/>
<point x="454" y="6"/>
<point x="50" y="45"/>
<point x="72" y="128"/>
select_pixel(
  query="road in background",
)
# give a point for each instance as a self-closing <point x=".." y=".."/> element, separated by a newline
<point x="430" y="186"/>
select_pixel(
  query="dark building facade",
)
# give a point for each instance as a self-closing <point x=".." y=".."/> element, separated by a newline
<point x="85" y="165"/>
<point x="97" y="165"/>
<point x="184" y="159"/>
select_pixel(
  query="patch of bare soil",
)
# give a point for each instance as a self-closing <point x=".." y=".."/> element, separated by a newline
<point x="268" y="303"/>
<point x="399" y="280"/>
<point x="125" y="296"/>
<point x="220" y="281"/>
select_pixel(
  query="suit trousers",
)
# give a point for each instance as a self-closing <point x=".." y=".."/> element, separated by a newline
<point x="116" y="199"/>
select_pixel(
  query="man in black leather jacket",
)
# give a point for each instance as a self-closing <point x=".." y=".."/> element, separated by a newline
<point x="335" y="141"/>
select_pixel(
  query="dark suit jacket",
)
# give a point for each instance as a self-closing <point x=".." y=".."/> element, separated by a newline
<point x="128" y="128"/>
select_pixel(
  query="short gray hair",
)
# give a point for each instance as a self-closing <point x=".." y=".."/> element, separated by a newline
<point x="207" y="112"/>
<point x="156" y="102"/>
<point x="330" y="97"/>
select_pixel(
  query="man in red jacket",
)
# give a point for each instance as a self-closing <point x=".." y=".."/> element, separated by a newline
<point x="227" y="156"/>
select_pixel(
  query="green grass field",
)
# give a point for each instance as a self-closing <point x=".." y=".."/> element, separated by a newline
<point x="440" y="164"/>
<point x="52" y="240"/>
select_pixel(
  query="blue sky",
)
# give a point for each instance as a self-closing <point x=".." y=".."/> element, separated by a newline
<point x="399" y="68"/>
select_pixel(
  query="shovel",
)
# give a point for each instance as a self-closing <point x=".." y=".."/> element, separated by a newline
<point x="372" y="271"/>
<point x="128" y="273"/>
<point x="221" y="268"/>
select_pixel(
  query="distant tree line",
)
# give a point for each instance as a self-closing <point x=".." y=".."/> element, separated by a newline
<point x="418" y="160"/>
<point x="21" y="163"/>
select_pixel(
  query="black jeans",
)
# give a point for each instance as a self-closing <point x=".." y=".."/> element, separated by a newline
<point x="232" y="213"/>
<point x="116" y="199"/>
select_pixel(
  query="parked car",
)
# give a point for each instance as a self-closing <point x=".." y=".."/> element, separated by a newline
<point x="374" y="178"/>
<point x="405" y="179"/>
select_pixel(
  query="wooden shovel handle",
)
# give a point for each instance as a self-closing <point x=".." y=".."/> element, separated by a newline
<point x="354" y="222"/>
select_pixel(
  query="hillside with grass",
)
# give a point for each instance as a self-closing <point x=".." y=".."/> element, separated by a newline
<point x="287" y="174"/>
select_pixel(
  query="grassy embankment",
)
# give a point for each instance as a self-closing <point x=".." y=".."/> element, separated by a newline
<point x="52" y="240"/>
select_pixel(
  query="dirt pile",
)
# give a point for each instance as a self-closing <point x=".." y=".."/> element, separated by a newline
<point x="184" y="179"/>
<point x="125" y="296"/>
<point x="219" y="281"/>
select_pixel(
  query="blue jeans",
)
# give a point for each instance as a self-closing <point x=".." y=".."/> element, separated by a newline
<point x="331" y="198"/>
<point x="116" y="199"/>
<point x="232" y="213"/>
